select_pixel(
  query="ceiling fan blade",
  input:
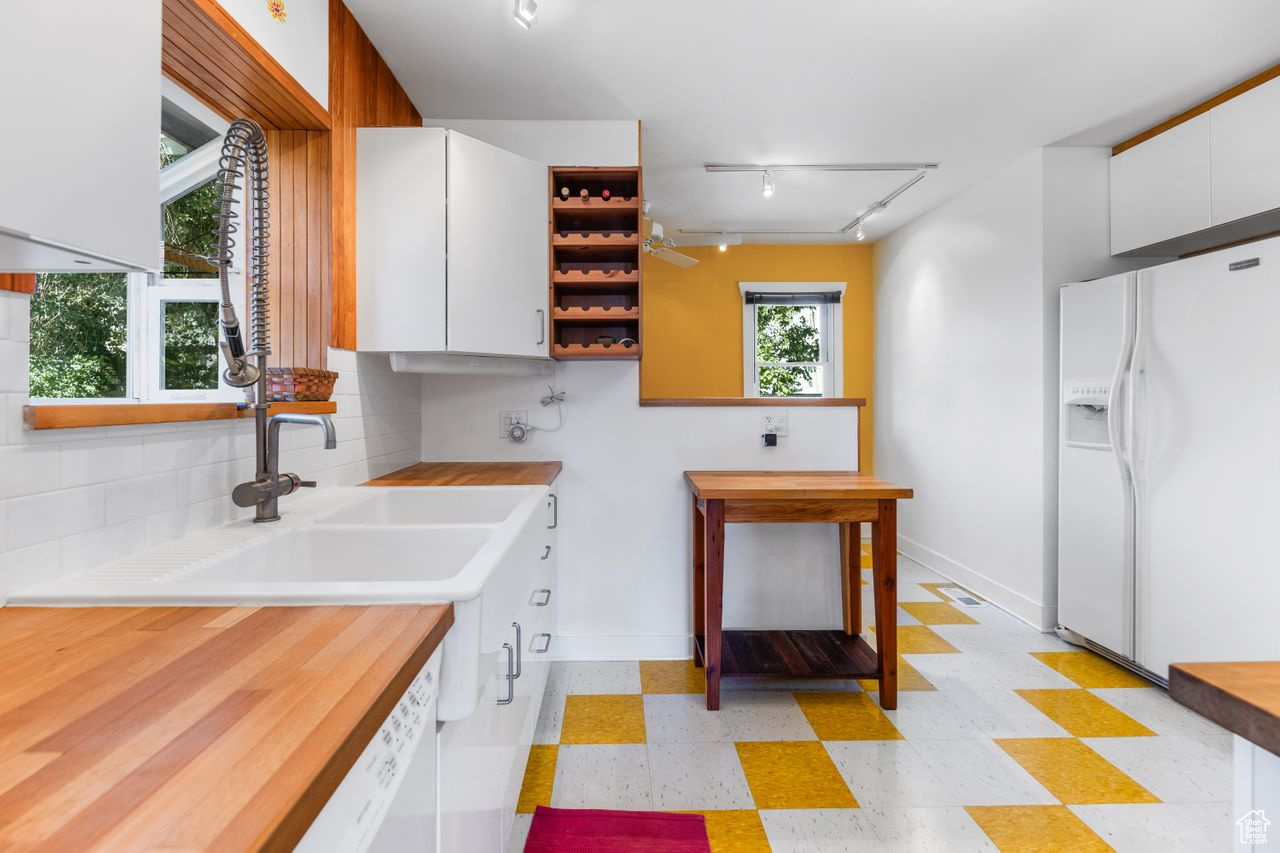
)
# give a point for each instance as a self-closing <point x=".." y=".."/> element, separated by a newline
<point x="671" y="257"/>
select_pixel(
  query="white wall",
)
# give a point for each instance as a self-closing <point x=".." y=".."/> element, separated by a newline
<point x="556" y="143"/>
<point x="625" y="511"/>
<point x="300" y="43"/>
<point x="966" y="370"/>
<point x="72" y="498"/>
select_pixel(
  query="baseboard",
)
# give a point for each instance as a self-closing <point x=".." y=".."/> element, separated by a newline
<point x="623" y="647"/>
<point x="1039" y="616"/>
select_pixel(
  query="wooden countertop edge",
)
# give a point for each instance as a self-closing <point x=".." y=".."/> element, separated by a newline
<point x="882" y="491"/>
<point x="1194" y="686"/>
<point x="537" y="473"/>
<point x="798" y="402"/>
<point x="294" y="824"/>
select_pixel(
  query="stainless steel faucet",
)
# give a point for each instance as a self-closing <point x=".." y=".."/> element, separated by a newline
<point x="244" y="158"/>
<point x="265" y="490"/>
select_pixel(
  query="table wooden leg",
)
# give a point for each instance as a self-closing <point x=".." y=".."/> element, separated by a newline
<point x="713" y="604"/>
<point x="699" y="579"/>
<point x="851" y="576"/>
<point x="884" y="572"/>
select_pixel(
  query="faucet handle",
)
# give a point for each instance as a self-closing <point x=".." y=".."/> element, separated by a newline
<point x="307" y="484"/>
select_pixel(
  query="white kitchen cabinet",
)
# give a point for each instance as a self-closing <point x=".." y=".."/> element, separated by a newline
<point x="1245" y="145"/>
<point x="451" y="246"/>
<point x="78" y="190"/>
<point x="1160" y="188"/>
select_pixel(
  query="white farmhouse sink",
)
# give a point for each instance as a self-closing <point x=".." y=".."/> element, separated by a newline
<point x="358" y="555"/>
<point x="430" y="505"/>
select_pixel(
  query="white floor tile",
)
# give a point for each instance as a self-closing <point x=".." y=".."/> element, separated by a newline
<point x="981" y="671"/>
<point x="888" y="773"/>
<point x="1176" y="769"/>
<point x="1152" y="707"/>
<point x="550" y="718"/>
<point x="923" y="715"/>
<point x="995" y="639"/>
<point x="1003" y="714"/>
<point x="819" y="831"/>
<point x="1161" y="827"/>
<point x="937" y="830"/>
<point x="763" y="715"/>
<point x="979" y="773"/>
<point x="698" y="776"/>
<point x="520" y="832"/>
<point x="610" y="676"/>
<point x="683" y="718"/>
<point x="558" y="677"/>
<point x="602" y="777"/>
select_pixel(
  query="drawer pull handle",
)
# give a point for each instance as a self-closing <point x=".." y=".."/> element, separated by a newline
<point x="555" y="512"/>
<point x="511" y="675"/>
<point x="546" y="644"/>
<point x="546" y="597"/>
<point x="546" y="553"/>
<point x="519" y="650"/>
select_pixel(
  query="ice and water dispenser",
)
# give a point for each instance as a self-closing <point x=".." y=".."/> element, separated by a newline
<point x="1085" y="401"/>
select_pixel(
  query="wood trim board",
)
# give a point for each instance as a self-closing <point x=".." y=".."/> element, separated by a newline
<point x="789" y="402"/>
<point x="77" y="416"/>
<point x="18" y="282"/>
<point x="472" y="474"/>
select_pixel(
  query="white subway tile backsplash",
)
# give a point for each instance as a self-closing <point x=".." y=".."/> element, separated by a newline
<point x="27" y="566"/>
<point x="100" y="460"/>
<point x="13" y="366"/>
<point x="53" y="515"/>
<point x="105" y="543"/>
<point x="141" y="496"/>
<point x="28" y="469"/>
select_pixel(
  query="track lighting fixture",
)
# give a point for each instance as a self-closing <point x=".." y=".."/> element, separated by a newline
<point x="858" y="234"/>
<point x="724" y="247"/>
<point x="526" y="14"/>
<point x="766" y="189"/>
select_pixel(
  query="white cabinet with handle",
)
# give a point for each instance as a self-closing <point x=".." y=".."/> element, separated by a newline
<point x="451" y="246"/>
<point x="78" y="189"/>
<point x="1160" y="189"/>
<point x="1245" y="144"/>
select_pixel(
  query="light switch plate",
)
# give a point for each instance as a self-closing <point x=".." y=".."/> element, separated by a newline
<point x="508" y="419"/>
<point x="776" y="422"/>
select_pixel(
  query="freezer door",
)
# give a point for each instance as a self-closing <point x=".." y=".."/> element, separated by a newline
<point x="1207" y="458"/>
<point x="1095" y="506"/>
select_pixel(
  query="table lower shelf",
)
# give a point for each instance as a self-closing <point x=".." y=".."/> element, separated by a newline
<point x="793" y="654"/>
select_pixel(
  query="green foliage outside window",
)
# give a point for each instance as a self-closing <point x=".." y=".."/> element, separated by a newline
<point x="190" y="345"/>
<point x="786" y="333"/>
<point x="79" y="330"/>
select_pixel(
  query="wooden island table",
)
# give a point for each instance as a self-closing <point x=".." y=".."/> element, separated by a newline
<point x="846" y="498"/>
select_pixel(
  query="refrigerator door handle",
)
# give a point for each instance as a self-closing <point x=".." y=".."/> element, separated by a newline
<point x="1118" y="414"/>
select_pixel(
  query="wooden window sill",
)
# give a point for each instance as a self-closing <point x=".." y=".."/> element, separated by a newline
<point x="797" y="402"/>
<point x="75" y="416"/>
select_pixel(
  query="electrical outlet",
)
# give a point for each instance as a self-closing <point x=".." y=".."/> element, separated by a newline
<point x="775" y="422"/>
<point x="508" y="419"/>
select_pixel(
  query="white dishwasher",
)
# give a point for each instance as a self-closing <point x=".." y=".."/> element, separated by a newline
<point x="387" y="800"/>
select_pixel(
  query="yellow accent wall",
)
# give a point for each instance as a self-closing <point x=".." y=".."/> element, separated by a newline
<point x="693" y="319"/>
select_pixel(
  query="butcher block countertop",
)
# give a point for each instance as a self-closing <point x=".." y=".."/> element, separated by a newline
<point x="192" y="728"/>
<point x="472" y="474"/>
<point x="1243" y="698"/>
<point x="765" y="485"/>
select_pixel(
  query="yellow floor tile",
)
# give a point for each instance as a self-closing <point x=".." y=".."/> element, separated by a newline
<point x="539" y="776"/>
<point x="866" y="560"/>
<point x="1089" y="670"/>
<point x="1037" y="829"/>
<point x="909" y="679"/>
<point x="846" y="716"/>
<point x="735" y="831"/>
<point x="672" y="676"/>
<point x="921" y="640"/>
<point x="1073" y="772"/>
<point x="1083" y="714"/>
<point x="866" y="547"/>
<point x="937" y="613"/>
<point x="793" y="775"/>
<point x="603" y="719"/>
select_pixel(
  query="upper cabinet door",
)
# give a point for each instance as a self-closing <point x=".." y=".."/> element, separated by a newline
<point x="400" y="239"/>
<point x="1160" y="189"/>
<point x="1245" y="133"/>
<point x="78" y="189"/>
<point x="498" y="251"/>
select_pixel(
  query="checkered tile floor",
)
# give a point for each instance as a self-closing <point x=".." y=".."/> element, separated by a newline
<point x="1004" y="738"/>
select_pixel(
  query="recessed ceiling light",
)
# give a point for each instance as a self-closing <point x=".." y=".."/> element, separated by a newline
<point x="526" y="13"/>
<point x="766" y="188"/>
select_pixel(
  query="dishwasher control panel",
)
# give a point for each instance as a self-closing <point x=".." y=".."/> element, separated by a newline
<point x="357" y="808"/>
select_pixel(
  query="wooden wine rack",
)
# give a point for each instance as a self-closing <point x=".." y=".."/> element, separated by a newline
<point x="595" y="263"/>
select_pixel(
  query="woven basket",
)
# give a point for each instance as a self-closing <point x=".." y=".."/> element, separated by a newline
<point x="296" y="385"/>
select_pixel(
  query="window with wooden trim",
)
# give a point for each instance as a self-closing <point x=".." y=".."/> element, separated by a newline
<point x="137" y="337"/>
<point x="792" y="336"/>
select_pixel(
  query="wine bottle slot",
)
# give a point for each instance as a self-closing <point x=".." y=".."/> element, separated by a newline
<point x="564" y="193"/>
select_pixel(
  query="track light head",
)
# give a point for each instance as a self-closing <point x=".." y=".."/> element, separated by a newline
<point x="858" y="234"/>
<point x="526" y="13"/>
<point x="766" y="188"/>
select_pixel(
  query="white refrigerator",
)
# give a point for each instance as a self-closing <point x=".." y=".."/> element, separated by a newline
<point x="1169" y="460"/>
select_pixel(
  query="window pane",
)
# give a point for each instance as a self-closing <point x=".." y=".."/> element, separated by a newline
<point x="180" y="133"/>
<point x="191" y="233"/>
<point x="787" y="333"/>
<point x="791" y="381"/>
<point x="79" y="326"/>
<point x="190" y="346"/>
